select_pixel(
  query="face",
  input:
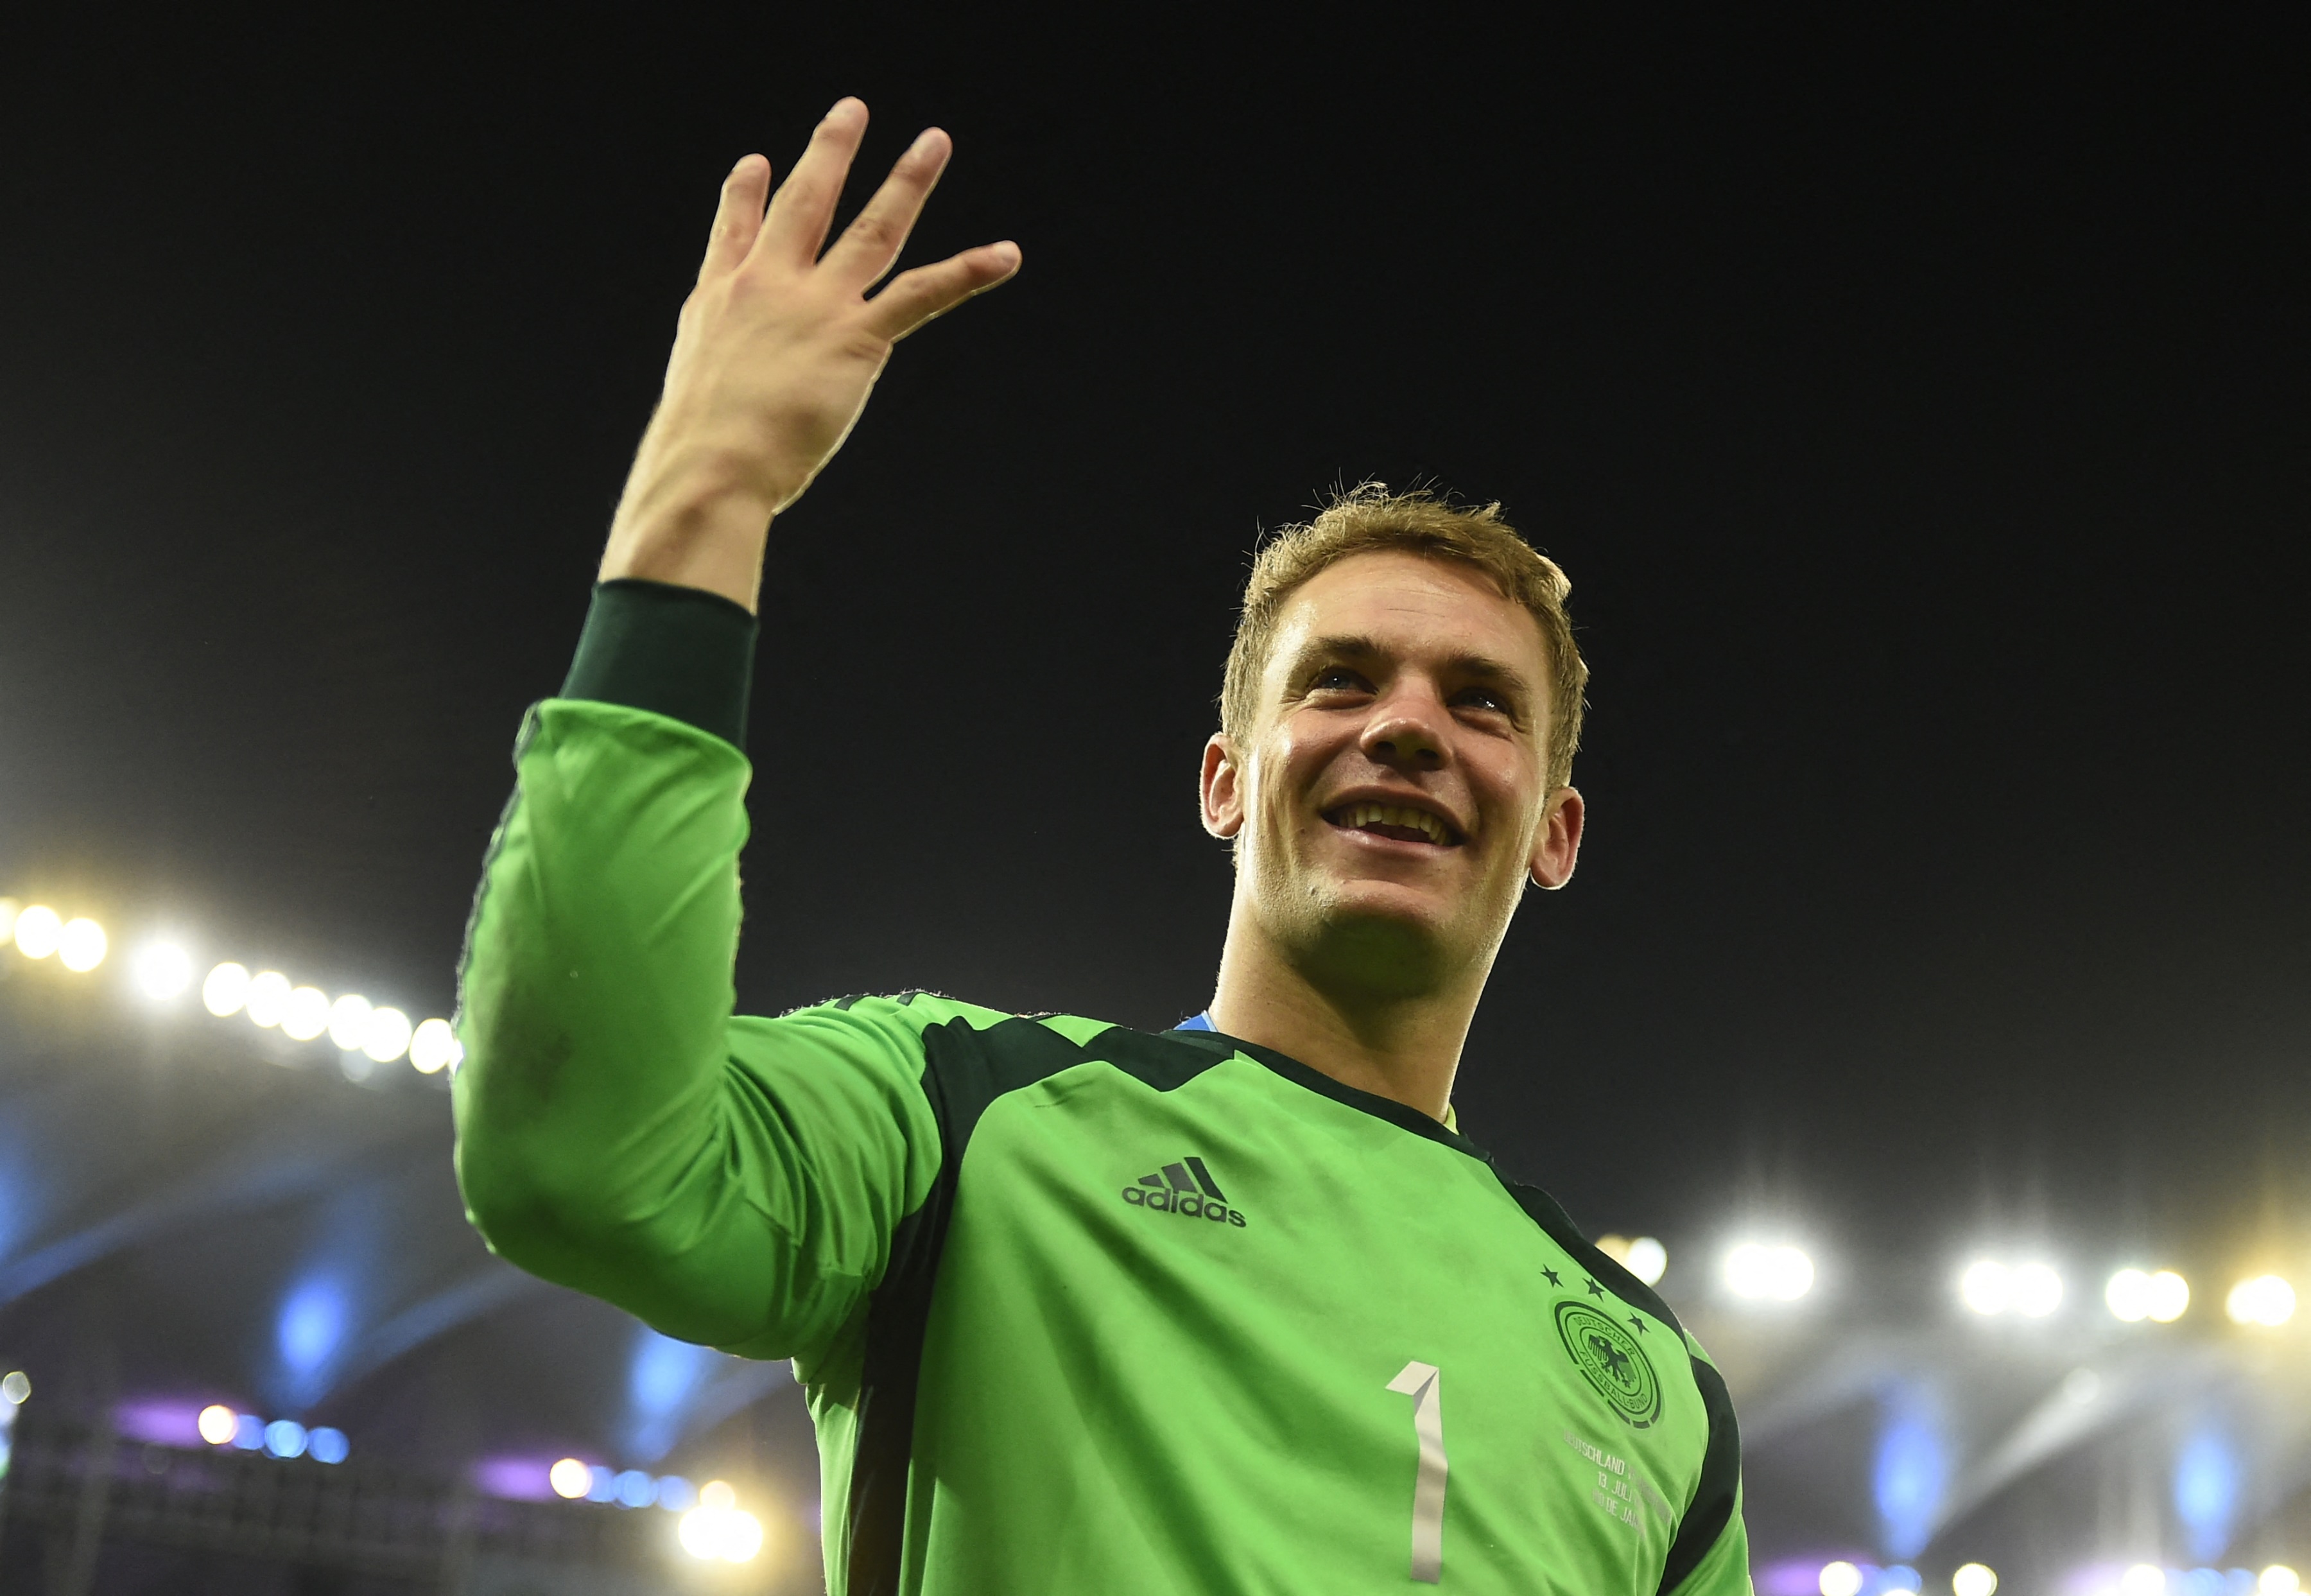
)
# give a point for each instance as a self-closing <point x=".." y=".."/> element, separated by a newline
<point x="1389" y="802"/>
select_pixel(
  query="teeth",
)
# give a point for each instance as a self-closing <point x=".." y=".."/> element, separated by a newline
<point x="1360" y="816"/>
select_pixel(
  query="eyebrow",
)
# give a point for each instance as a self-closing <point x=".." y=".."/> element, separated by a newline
<point x="1483" y="668"/>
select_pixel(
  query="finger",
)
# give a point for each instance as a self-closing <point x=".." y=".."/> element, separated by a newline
<point x="803" y="208"/>
<point x="871" y="243"/>
<point x="929" y="291"/>
<point x="738" y="218"/>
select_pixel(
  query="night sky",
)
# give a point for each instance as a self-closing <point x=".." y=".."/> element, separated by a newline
<point x="1919" y="413"/>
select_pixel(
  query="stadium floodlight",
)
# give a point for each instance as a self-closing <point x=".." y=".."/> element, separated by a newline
<point x="2278" y="1580"/>
<point x="570" y="1478"/>
<point x="1973" y="1579"/>
<point x="326" y="1445"/>
<point x="2144" y="1579"/>
<point x="267" y="997"/>
<point x="38" y="929"/>
<point x="1987" y="1287"/>
<point x="306" y="1015"/>
<point x="2170" y="1297"/>
<point x="710" y="1532"/>
<point x="349" y="1021"/>
<point x="1779" y="1274"/>
<point x="433" y="1047"/>
<point x="15" y="1388"/>
<point x="226" y="990"/>
<point x="161" y="971"/>
<point x="285" y="1438"/>
<point x="1648" y="1260"/>
<point x="2037" y="1290"/>
<point x="80" y="945"/>
<point x="1839" y="1579"/>
<point x="388" y="1035"/>
<point x="219" y="1425"/>
<point x="2265" y="1300"/>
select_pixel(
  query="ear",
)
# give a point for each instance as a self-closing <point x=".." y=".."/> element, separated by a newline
<point x="1557" y="845"/>
<point x="1223" y="787"/>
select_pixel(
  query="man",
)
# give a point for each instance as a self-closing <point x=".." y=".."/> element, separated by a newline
<point x="1080" y="1309"/>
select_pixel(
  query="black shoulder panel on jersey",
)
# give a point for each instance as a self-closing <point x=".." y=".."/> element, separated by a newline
<point x="1402" y="1115"/>
<point x="1614" y="1277"/>
<point x="964" y="1071"/>
<point x="1713" y="1499"/>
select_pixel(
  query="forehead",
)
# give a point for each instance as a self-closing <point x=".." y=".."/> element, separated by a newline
<point x="1413" y="609"/>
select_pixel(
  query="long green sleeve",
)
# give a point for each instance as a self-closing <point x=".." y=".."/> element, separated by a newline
<point x="733" y="1182"/>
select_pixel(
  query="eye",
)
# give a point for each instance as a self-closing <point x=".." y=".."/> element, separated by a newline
<point x="1336" y="678"/>
<point x="1484" y="698"/>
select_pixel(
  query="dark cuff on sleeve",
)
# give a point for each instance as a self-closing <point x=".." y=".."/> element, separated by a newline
<point x="680" y="652"/>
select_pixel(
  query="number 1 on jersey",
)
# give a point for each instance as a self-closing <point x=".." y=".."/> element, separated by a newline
<point x="1424" y="1384"/>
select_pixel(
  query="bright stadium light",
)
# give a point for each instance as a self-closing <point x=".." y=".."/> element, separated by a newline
<point x="2265" y="1300"/>
<point x="1644" y="1257"/>
<point x="326" y="1445"/>
<point x="570" y="1479"/>
<point x="306" y="1015"/>
<point x="226" y="990"/>
<point x="2037" y="1290"/>
<point x="1987" y="1287"/>
<point x="219" y="1424"/>
<point x="80" y="945"/>
<point x="285" y="1438"/>
<point x="1973" y="1579"/>
<point x="38" y="929"/>
<point x="2170" y="1297"/>
<point x="388" y="1035"/>
<point x="710" y="1531"/>
<point x="267" y="997"/>
<point x="161" y="971"/>
<point x="2278" y="1580"/>
<point x="2144" y="1579"/>
<point x="349" y="1021"/>
<point x="1781" y="1274"/>
<point x="433" y="1047"/>
<point x="1840" y="1578"/>
<point x="15" y="1388"/>
<point x="2128" y="1295"/>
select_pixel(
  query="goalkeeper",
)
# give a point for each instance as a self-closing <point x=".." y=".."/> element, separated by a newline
<point x="1229" y="1308"/>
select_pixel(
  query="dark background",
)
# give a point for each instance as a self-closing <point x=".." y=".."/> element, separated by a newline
<point x="1917" y="405"/>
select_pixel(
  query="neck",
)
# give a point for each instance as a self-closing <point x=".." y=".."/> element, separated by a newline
<point x="1404" y="1046"/>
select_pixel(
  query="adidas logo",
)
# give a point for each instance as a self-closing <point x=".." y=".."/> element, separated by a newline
<point x="1186" y="1189"/>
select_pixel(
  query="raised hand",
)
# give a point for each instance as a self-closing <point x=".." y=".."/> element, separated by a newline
<point x="775" y="353"/>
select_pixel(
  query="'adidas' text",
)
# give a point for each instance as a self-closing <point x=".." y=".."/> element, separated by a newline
<point x="1186" y="1189"/>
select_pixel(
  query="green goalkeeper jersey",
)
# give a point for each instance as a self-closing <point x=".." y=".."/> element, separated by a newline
<point x="1077" y="1308"/>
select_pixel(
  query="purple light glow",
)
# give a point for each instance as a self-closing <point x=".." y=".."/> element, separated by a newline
<point x="160" y="1421"/>
<point x="516" y="1480"/>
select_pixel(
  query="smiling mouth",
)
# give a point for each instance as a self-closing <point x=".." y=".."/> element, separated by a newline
<point x="1395" y="821"/>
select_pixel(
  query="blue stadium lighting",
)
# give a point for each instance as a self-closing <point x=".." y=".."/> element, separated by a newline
<point x="675" y="1494"/>
<point x="313" y="1322"/>
<point x="1911" y="1471"/>
<point x="635" y="1488"/>
<point x="285" y="1438"/>
<point x="326" y="1445"/>
<point x="603" y="1486"/>
<point x="660" y="1381"/>
<point x="2207" y="1490"/>
<point x="248" y="1432"/>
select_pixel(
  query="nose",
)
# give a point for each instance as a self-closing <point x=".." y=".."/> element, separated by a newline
<point x="1404" y="731"/>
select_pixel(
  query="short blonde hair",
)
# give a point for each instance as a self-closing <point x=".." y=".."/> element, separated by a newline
<point x="1370" y="519"/>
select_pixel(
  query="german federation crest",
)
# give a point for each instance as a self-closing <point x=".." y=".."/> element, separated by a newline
<point x="1608" y="1357"/>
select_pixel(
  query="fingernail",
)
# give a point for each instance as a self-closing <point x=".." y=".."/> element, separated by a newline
<point x="1007" y="252"/>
